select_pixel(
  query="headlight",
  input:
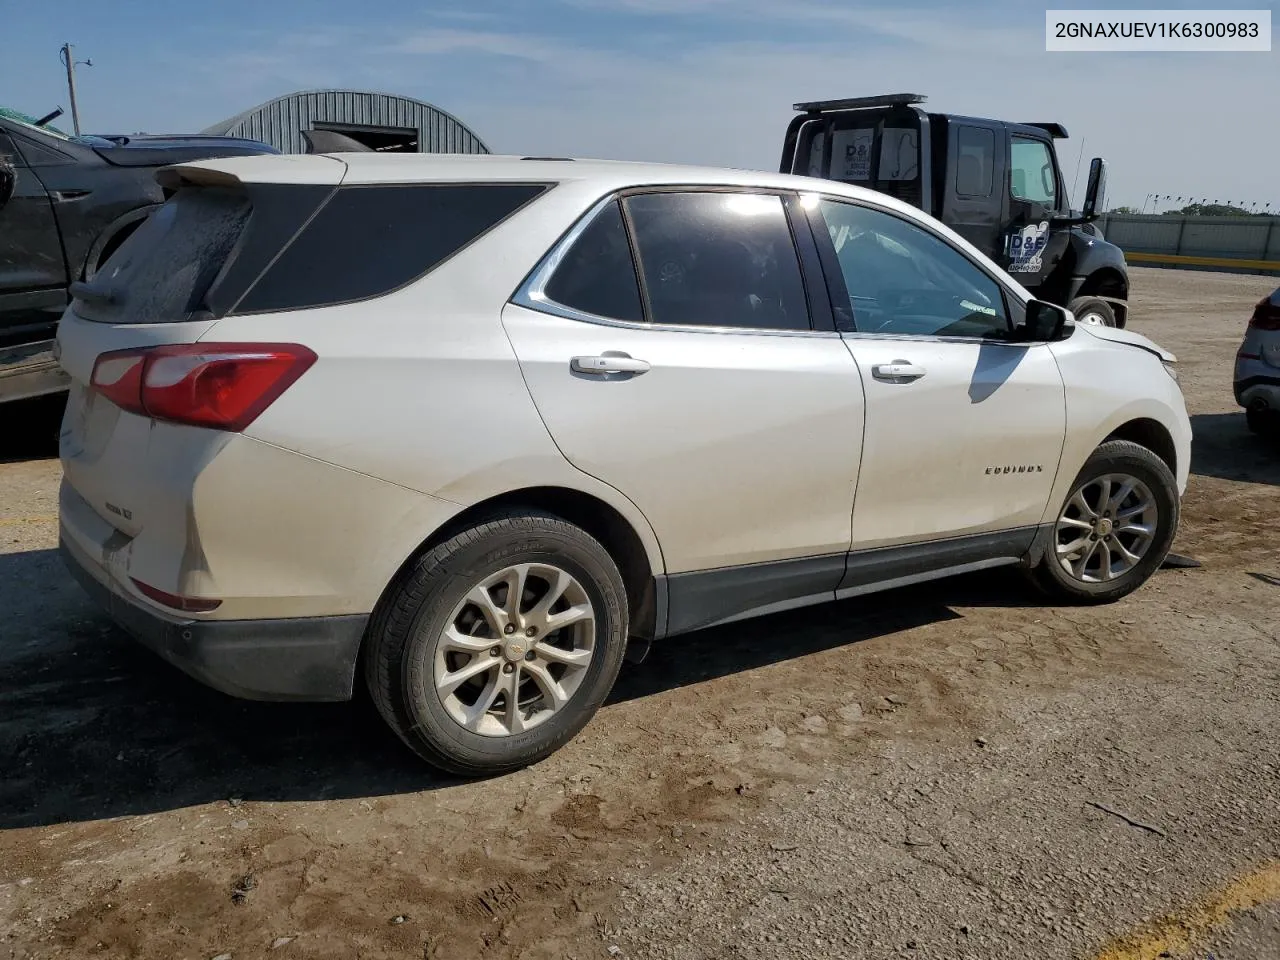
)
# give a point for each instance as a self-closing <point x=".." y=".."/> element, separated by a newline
<point x="1171" y="368"/>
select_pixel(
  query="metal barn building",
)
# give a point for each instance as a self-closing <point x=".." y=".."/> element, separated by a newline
<point x="380" y="121"/>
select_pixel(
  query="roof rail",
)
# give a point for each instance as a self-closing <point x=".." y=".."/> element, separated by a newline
<point x="858" y="103"/>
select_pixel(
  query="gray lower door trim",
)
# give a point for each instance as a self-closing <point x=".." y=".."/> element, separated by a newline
<point x="909" y="562"/>
<point x="706" y="598"/>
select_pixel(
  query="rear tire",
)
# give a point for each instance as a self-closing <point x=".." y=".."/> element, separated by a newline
<point x="1263" y="422"/>
<point x="1114" y="529"/>
<point x="1092" y="311"/>
<point x="528" y="689"/>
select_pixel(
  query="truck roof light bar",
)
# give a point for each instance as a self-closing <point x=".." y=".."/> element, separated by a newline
<point x="859" y="103"/>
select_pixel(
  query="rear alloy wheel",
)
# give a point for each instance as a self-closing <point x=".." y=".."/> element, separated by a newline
<point x="499" y="644"/>
<point x="515" y="650"/>
<point x="1092" y="311"/>
<point x="1114" y="529"/>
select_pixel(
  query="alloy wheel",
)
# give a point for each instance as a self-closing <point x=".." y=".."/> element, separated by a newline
<point x="1106" y="528"/>
<point x="515" y="650"/>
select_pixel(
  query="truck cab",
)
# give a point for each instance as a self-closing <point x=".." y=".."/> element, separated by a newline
<point x="996" y="183"/>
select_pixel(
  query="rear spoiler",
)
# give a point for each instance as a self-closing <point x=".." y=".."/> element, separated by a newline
<point x="1055" y="130"/>
<point x="262" y="168"/>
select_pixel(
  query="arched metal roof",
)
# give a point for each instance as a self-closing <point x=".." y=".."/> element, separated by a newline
<point x="280" y="122"/>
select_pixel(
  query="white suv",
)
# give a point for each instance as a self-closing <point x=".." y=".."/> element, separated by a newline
<point x="474" y="427"/>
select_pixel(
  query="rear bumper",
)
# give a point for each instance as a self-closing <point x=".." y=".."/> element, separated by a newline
<point x="1263" y="390"/>
<point x="311" y="658"/>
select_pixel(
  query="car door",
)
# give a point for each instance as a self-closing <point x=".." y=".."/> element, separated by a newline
<point x="972" y="196"/>
<point x="1032" y="247"/>
<point x="30" y="250"/>
<point x="964" y="425"/>
<point x="691" y="380"/>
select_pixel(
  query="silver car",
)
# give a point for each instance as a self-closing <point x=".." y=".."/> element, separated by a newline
<point x="1257" y="379"/>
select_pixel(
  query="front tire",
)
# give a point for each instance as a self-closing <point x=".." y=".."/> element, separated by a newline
<point x="1114" y="529"/>
<point x="498" y="646"/>
<point x="1092" y="311"/>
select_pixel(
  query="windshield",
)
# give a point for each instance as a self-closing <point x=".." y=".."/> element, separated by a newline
<point x="22" y="120"/>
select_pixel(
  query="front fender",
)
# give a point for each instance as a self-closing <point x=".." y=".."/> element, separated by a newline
<point x="1109" y="385"/>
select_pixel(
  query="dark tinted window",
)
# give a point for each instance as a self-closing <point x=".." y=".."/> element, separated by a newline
<point x="975" y="161"/>
<point x="161" y="272"/>
<point x="598" y="275"/>
<point x="369" y="241"/>
<point x="903" y="280"/>
<point x="719" y="260"/>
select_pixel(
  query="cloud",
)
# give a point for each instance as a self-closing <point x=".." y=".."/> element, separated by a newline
<point x="639" y="79"/>
<point x="494" y="43"/>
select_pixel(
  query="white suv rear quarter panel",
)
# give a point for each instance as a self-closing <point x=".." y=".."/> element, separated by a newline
<point x="421" y="388"/>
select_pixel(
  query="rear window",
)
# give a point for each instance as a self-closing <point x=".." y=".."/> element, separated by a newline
<point x="163" y="270"/>
<point x="275" y="247"/>
<point x="369" y="241"/>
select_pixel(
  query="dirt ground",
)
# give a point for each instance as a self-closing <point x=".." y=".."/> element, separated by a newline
<point x="948" y="771"/>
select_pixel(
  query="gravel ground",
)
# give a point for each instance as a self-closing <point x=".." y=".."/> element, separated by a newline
<point x="948" y="771"/>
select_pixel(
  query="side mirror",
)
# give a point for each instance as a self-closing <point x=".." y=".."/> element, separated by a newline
<point x="1095" y="195"/>
<point x="1045" y="323"/>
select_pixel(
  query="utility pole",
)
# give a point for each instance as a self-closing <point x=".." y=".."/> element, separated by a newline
<point x="68" y="59"/>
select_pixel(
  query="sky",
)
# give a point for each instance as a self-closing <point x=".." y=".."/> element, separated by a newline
<point x="701" y="81"/>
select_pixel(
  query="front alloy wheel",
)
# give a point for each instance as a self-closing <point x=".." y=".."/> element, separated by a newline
<point x="1106" y="528"/>
<point x="1113" y="530"/>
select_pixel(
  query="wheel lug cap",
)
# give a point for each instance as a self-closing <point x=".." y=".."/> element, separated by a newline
<point x="529" y="655"/>
<point x="507" y="668"/>
<point x="495" y="651"/>
<point x="531" y="632"/>
<point x="509" y="628"/>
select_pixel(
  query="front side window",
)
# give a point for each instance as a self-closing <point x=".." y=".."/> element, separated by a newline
<point x="718" y="260"/>
<point x="902" y="279"/>
<point x="1031" y="175"/>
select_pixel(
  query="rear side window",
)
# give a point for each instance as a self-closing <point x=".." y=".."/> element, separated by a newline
<point x="975" y="161"/>
<point x="161" y="272"/>
<point x="370" y="240"/>
<point x="597" y="275"/>
<point x="718" y="260"/>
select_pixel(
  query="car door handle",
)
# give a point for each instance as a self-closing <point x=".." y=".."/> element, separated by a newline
<point x="900" y="371"/>
<point x="609" y="363"/>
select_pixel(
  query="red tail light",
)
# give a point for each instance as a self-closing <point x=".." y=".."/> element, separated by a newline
<point x="223" y="386"/>
<point x="1266" y="315"/>
<point x="175" y="602"/>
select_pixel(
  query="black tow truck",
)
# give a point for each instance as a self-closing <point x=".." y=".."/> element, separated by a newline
<point x="66" y="204"/>
<point x="997" y="184"/>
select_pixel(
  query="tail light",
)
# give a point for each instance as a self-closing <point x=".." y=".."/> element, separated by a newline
<point x="175" y="602"/>
<point x="223" y="386"/>
<point x="1266" y="315"/>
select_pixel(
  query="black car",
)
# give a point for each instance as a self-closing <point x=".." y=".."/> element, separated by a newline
<point x="66" y="203"/>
